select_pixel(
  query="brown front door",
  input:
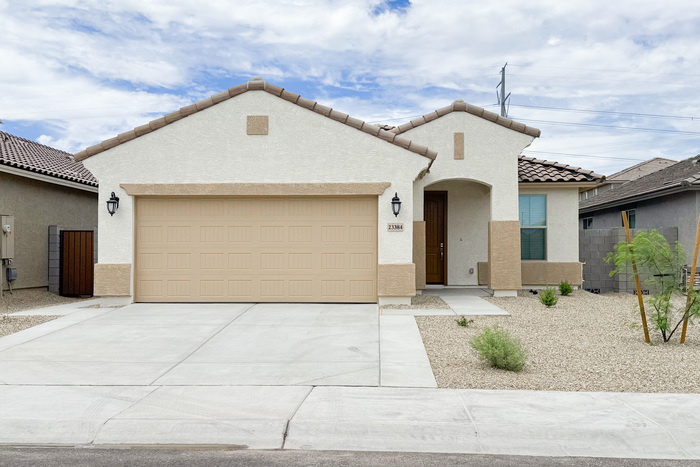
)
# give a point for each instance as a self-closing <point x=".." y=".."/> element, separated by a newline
<point x="435" y="215"/>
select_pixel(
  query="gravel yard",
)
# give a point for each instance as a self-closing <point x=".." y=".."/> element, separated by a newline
<point x="12" y="324"/>
<point x="584" y="343"/>
<point x="30" y="299"/>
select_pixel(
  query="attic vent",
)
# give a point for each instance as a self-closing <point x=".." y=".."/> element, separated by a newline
<point x="669" y="182"/>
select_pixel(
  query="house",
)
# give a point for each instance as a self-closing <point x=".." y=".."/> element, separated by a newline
<point x="259" y="194"/>
<point x="667" y="200"/>
<point x="45" y="190"/>
<point x="630" y="173"/>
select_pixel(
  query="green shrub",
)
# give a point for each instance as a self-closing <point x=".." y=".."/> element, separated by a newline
<point x="499" y="349"/>
<point x="548" y="297"/>
<point x="463" y="321"/>
<point x="565" y="288"/>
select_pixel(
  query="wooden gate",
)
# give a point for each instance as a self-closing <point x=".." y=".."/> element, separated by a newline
<point x="77" y="263"/>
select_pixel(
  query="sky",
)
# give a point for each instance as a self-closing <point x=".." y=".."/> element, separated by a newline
<point x="609" y="83"/>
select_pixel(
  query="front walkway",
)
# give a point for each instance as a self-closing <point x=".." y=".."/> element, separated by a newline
<point x="466" y="301"/>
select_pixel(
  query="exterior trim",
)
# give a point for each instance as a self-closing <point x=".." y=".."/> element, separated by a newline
<point x="112" y="280"/>
<point x="549" y="273"/>
<point x="47" y="178"/>
<point x="396" y="280"/>
<point x="255" y="189"/>
<point x="419" y="253"/>
<point x="483" y="272"/>
<point x="459" y="146"/>
<point x="257" y="125"/>
<point x="257" y="84"/>
<point x="541" y="273"/>
<point x="504" y="255"/>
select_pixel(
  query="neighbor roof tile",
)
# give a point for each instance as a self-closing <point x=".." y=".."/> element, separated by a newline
<point x="34" y="157"/>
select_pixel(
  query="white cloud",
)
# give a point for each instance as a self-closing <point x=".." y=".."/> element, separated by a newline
<point x="94" y="68"/>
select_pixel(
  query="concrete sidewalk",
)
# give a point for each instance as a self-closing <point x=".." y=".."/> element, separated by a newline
<point x="657" y="426"/>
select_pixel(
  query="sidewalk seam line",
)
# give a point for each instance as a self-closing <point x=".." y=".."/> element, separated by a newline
<point x="97" y="433"/>
<point x="655" y="423"/>
<point x="289" y="420"/>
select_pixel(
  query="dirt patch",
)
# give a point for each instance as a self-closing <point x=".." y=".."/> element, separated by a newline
<point x="421" y="302"/>
<point x="584" y="343"/>
<point x="30" y="299"/>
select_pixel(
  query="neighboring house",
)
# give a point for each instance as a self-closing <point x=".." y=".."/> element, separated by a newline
<point x="43" y="189"/>
<point x="667" y="200"/>
<point x="630" y="173"/>
<point x="258" y="194"/>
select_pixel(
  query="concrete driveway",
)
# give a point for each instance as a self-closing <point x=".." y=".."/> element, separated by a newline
<point x="218" y="344"/>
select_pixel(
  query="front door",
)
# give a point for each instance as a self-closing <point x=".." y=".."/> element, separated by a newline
<point x="435" y="215"/>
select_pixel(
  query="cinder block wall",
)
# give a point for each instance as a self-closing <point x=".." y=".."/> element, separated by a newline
<point x="595" y="244"/>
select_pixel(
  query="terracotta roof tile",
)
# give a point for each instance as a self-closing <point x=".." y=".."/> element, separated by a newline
<point x="531" y="170"/>
<point x="34" y="157"/>
<point x="255" y="84"/>
<point x="460" y="106"/>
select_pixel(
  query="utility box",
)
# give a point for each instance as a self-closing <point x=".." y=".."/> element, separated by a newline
<point x="7" y="237"/>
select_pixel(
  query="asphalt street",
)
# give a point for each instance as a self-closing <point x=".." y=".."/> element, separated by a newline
<point x="84" y="457"/>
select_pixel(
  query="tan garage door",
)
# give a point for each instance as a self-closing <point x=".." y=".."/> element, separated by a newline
<point x="303" y="249"/>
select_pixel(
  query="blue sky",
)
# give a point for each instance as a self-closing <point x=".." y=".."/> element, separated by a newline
<point x="609" y="83"/>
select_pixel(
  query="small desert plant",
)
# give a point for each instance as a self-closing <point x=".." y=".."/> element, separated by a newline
<point x="548" y="297"/>
<point x="565" y="288"/>
<point x="663" y="265"/>
<point x="463" y="321"/>
<point x="499" y="349"/>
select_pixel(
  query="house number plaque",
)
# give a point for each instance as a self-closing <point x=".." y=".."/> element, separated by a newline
<point x="395" y="227"/>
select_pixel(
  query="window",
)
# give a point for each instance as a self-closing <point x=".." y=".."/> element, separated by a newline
<point x="586" y="195"/>
<point x="631" y="218"/>
<point x="587" y="223"/>
<point x="595" y="191"/>
<point x="533" y="226"/>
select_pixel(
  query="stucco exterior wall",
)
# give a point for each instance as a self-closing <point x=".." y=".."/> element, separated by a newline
<point x="679" y="210"/>
<point x="562" y="223"/>
<point x="212" y="146"/>
<point x="468" y="211"/>
<point x="490" y="157"/>
<point x="36" y="205"/>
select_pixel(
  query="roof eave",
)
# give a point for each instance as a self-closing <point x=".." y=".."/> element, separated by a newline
<point x="641" y="197"/>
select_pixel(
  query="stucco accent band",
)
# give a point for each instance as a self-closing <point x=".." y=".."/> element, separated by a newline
<point x="254" y="189"/>
<point x="112" y="280"/>
<point x="459" y="145"/>
<point x="396" y="280"/>
<point x="546" y="273"/>
<point x="504" y="255"/>
<point x="257" y="124"/>
<point x="419" y="253"/>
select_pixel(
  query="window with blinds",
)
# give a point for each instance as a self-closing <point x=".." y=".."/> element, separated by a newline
<point x="533" y="227"/>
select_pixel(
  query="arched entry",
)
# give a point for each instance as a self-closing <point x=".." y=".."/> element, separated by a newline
<point x="456" y="215"/>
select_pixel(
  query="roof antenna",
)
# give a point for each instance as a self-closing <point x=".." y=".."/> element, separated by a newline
<point x="502" y="98"/>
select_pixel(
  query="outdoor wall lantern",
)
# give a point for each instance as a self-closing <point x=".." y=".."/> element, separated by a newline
<point x="112" y="204"/>
<point x="396" y="204"/>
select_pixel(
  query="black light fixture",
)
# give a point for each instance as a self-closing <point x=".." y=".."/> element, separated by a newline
<point x="112" y="204"/>
<point x="396" y="204"/>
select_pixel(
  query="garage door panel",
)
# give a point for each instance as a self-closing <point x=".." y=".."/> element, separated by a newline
<point x="256" y="249"/>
